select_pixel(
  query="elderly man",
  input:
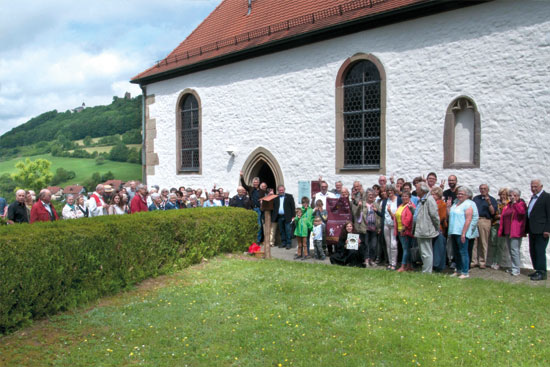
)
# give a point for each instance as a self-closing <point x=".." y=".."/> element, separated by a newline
<point x="17" y="211"/>
<point x="337" y="191"/>
<point x="156" y="200"/>
<point x="43" y="210"/>
<point x="139" y="202"/>
<point x="131" y="191"/>
<point x="172" y="202"/>
<point x="382" y="181"/>
<point x="486" y="207"/>
<point x="241" y="200"/>
<point x="426" y="225"/>
<point x="284" y="209"/>
<point x="538" y="227"/>
<point x="96" y="203"/>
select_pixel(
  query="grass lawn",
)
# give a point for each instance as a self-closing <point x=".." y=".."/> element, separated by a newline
<point x="233" y="312"/>
<point x="83" y="168"/>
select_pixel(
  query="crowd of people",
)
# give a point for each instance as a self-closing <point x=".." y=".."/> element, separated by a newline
<point x="398" y="224"/>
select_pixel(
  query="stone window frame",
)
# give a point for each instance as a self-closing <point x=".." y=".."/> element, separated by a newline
<point x="346" y="65"/>
<point x="449" y="135"/>
<point x="180" y="100"/>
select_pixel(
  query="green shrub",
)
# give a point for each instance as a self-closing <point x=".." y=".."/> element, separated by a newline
<point x="50" y="267"/>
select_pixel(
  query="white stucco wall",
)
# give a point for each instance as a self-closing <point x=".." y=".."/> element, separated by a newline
<point x="497" y="53"/>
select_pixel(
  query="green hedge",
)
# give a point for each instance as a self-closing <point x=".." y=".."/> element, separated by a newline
<point x="50" y="267"/>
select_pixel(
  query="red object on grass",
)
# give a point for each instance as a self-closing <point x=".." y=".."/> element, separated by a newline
<point x="254" y="248"/>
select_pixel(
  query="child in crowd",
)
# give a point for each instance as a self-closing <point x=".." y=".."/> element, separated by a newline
<point x="302" y="226"/>
<point x="318" y="234"/>
<point x="321" y="213"/>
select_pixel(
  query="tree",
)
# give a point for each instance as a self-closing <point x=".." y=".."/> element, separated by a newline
<point x="32" y="175"/>
<point x="132" y="136"/>
<point x="134" y="156"/>
<point x="119" y="152"/>
<point x="87" y="141"/>
<point x="108" y="176"/>
<point x="91" y="183"/>
<point x="62" y="175"/>
<point x="7" y="187"/>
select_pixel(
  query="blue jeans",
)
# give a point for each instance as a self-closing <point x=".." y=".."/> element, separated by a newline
<point x="406" y="244"/>
<point x="439" y="252"/>
<point x="461" y="248"/>
<point x="285" y="230"/>
<point x="259" y="237"/>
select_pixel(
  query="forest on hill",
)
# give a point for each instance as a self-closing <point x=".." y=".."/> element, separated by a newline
<point x="121" y="116"/>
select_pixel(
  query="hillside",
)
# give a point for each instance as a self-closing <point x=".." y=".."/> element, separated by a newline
<point x="120" y="116"/>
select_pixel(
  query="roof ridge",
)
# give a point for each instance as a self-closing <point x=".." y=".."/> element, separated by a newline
<point x="308" y="18"/>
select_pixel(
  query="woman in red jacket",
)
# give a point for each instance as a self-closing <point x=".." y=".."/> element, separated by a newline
<point x="403" y="225"/>
<point x="512" y="226"/>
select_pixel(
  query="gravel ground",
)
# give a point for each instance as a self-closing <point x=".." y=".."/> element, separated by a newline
<point x="488" y="273"/>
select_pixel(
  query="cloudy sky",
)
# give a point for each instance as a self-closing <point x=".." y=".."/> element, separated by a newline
<point x="58" y="54"/>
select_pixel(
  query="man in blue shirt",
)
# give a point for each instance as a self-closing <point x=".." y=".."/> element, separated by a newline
<point x="486" y="207"/>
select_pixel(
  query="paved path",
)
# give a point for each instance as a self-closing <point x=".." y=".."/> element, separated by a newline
<point x="498" y="275"/>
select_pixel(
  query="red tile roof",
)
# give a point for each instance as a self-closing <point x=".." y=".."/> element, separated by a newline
<point x="53" y="189"/>
<point x="72" y="189"/>
<point x="229" y="29"/>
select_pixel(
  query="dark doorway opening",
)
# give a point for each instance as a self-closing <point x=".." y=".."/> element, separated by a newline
<point x="266" y="175"/>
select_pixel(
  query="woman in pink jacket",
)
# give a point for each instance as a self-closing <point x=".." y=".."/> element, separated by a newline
<point x="403" y="227"/>
<point x="512" y="226"/>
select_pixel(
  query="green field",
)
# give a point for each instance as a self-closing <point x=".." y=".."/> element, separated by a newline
<point x="107" y="148"/>
<point x="234" y="312"/>
<point x="83" y="168"/>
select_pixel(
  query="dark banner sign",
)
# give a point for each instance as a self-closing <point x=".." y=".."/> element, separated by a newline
<point x="339" y="212"/>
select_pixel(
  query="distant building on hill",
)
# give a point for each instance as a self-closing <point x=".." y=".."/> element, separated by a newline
<point x="79" y="108"/>
<point x="127" y="95"/>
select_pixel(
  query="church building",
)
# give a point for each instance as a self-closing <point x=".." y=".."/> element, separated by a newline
<point x="288" y="90"/>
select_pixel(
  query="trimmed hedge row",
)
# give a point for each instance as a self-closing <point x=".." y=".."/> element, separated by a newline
<point x="50" y="267"/>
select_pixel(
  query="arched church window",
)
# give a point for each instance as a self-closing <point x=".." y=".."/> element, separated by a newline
<point x="189" y="131"/>
<point x="462" y="134"/>
<point x="360" y="115"/>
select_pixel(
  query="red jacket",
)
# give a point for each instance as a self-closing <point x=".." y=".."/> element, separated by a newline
<point x="41" y="214"/>
<point x="406" y="219"/>
<point x="515" y="216"/>
<point x="138" y="204"/>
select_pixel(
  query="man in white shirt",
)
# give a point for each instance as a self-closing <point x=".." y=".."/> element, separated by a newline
<point x="324" y="194"/>
<point x="96" y="205"/>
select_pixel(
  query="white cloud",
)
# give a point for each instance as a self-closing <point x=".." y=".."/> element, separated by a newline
<point x="56" y="55"/>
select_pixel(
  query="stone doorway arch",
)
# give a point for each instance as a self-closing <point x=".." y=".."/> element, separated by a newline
<point x="261" y="163"/>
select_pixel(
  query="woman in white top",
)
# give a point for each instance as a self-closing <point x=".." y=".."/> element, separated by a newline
<point x="70" y="210"/>
<point x="389" y="207"/>
<point x="117" y="206"/>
